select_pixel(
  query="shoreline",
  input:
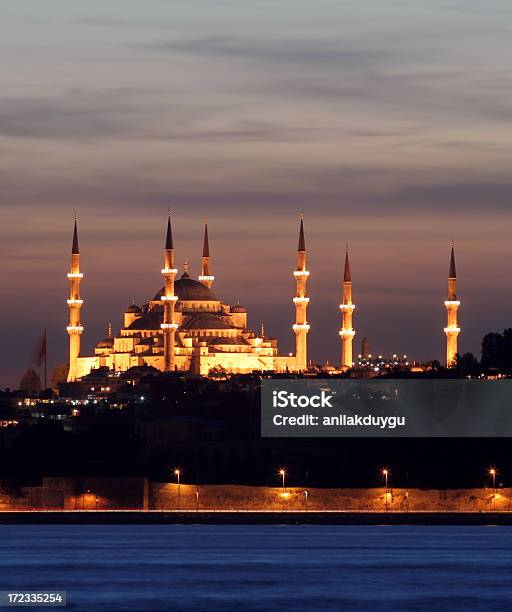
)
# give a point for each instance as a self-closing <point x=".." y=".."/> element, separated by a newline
<point x="252" y="517"/>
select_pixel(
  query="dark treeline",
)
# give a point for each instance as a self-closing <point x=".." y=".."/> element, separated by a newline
<point x="212" y="433"/>
<point x="210" y="429"/>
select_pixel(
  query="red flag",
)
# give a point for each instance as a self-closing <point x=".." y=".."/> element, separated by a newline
<point x="39" y="352"/>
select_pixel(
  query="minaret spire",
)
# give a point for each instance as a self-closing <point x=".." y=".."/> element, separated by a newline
<point x="206" y="276"/>
<point x="347" y="278"/>
<point x="453" y="272"/>
<point x="74" y="249"/>
<point x="347" y="333"/>
<point x="75" y="302"/>
<point x="169" y="327"/>
<point x="302" y="241"/>
<point x="168" y="238"/>
<point x="301" y="301"/>
<point x="452" y="329"/>
<point x="206" y="245"/>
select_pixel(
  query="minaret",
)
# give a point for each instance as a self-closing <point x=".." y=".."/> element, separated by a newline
<point x="74" y="327"/>
<point x="169" y="327"/>
<point x="347" y="308"/>
<point x="365" y="348"/>
<point x="452" y="304"/>
<point x="206" y="276"/>
<point x="301" y="301"/>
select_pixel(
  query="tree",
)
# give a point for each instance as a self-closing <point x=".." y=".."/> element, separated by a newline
<point x="497" y="351"/>
<point x="59" y="375"/>
<point x="467" y="364"/>
<point x="435" y="365"/>
<point x="30" y="382"/>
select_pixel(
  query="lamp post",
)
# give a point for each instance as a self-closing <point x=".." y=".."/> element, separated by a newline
<point x="385" y="473"/>
<point x="282" y="473"/>
<point x="177" y="474"/>
<point x="492" y="472"/>
<point x="306" y="499"/>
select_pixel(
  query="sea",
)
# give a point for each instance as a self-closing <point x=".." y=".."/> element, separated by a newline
<point x="261" y="567"/>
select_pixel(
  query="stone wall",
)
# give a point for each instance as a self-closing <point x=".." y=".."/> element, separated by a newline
<point x="139" y="493"/>
<point x="218" y="497"/>
<point x="86" y="493"/>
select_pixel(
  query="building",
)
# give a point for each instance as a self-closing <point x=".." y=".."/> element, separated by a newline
<point x="185" y="327"/>
<point x="347" y="307"/>
<point x="452" y="303"/>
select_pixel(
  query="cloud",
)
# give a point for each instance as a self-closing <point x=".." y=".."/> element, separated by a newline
<point x="320" y="51"/>
<point x="72" y="115"/>
<point x="464" y="195"/>
<point x="404" y="76"/>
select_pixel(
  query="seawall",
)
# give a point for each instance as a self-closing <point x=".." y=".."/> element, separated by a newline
<point x="141" y="494"/>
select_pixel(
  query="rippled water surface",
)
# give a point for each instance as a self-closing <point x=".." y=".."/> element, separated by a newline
<point x="206" y="567"/>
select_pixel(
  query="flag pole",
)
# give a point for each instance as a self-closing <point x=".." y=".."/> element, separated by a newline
<point x="45" y="359"/>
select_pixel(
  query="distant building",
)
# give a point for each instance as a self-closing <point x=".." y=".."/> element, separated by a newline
<point x="365" y="348"/>
<point x="185" y="327"/>
<point x="369" y="366"/>
<point x="452" y="329"/>
<point x="347" y="332"/>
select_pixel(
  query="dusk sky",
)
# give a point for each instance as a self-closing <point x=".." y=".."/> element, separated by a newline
<point x="387" y="123"/>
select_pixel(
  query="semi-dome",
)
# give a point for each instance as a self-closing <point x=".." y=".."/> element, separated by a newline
<point x="206" y="320"/>
<point x="105" y="343"/>
<point x="238" y="308"/>
<point x="133" y="308"/>
<point x="146" y="321"/>
<point x="189" y="290"/>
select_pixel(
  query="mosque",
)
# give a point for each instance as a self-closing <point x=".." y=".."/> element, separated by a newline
<point x="185" y="327"/>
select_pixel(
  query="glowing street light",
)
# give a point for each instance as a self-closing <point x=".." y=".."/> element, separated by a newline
<point x="492" y="472"/>
<point x="282" y="473"/>
<point x="306" y="498"/>
<point x="177" y="473"/>
<point x="385" y="473"/>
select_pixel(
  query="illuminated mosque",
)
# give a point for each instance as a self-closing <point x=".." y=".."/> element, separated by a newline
<point x="186" y="328"/>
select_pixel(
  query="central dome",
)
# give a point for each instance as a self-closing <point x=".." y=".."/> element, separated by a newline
<point x="187" y="289"/>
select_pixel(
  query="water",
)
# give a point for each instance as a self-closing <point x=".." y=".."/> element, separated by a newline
<point x="244" y="567"/>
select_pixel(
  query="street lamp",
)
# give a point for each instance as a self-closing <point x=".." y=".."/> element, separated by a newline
<point x="177" y="473"/>
<point x="282" y="473"/>
<point x="306" y="498"/>
<point x="385" y="473"/>
<point x="492" y="472"/>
